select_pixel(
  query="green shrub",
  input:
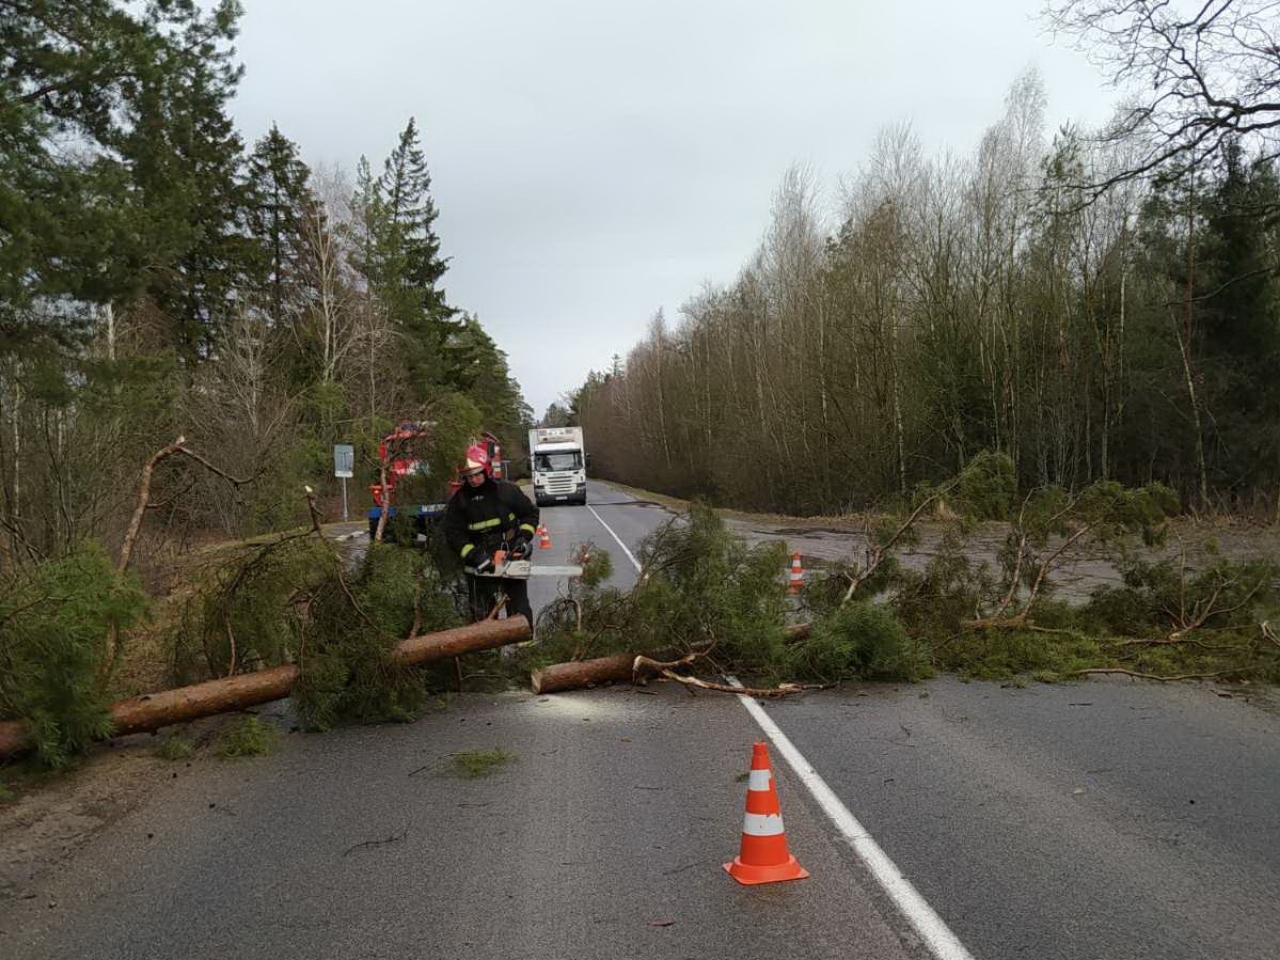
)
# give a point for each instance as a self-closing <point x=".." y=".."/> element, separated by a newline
<point x="858" y="641"/>
<point x="473" y="764"/>
<point x="933" y="603"/>
<point x="987" y="488"/>
<point x="347" y="673"/>
<point x="247" y="737"/>
<point x="243" y="616"/>
<point x="1004" y="653"/>
<point x="175" y="748"/>
<point x="56" y="630"/>
<point x="701" y="588"/>
<point x="1212" y="606"/>
<point x="597" y="565"/>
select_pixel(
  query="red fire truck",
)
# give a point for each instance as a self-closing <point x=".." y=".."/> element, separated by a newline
<point x="402" y="454"/>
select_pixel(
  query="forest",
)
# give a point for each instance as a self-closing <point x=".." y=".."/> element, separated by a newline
<point x="160" y="277"/>
<point x="1095" y="305"/>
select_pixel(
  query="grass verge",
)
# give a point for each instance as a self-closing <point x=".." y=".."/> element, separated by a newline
<point x="474" y="764"/>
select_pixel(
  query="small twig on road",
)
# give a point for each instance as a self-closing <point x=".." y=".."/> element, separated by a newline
<point x="374" y="843"/>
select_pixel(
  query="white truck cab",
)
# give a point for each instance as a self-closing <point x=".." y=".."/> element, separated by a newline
<point x="558" y="463"/>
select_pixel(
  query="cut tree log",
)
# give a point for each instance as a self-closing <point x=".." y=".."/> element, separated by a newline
<point x="155" y="710"/>
<point x="620" y="668"/>
<point x="576" y="674"/>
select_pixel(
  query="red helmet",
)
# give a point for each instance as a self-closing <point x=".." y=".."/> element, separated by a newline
<point x="477" y="461"/>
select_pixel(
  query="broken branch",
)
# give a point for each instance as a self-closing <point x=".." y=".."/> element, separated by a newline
<point x="1151" y="676"/>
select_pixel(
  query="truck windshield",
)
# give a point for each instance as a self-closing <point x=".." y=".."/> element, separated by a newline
<point x="564" y="460"/>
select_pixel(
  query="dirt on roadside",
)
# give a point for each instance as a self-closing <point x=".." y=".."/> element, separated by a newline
<point x="836" y="540"/>
<point x="53" y="818"/>
<point x="843" y="539"/>
<point x="53" y="815"/>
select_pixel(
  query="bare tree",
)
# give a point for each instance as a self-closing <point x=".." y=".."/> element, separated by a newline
<point x="334" y="325"/>
<point x="790" y="259"/>
<point x="240" y="410"/>
<point x="1202" y="73"/>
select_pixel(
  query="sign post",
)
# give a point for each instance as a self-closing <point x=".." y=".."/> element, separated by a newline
<point x="344" y="461"/>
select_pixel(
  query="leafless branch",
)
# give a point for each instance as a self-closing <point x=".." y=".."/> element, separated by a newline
<point x="1151" y="676"/>
<point x="144" y="496"/>
<point x="879" y="552"/>
<point x="211" y="468"/>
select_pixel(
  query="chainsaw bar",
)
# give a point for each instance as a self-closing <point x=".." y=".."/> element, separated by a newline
<point x="524" y="569"/>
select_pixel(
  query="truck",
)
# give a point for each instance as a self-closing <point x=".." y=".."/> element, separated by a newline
<point x="558" y="463"/>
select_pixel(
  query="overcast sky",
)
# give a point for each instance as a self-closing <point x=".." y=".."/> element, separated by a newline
<point x="596" y="160"/>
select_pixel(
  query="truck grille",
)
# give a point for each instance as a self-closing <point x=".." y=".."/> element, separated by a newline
<point x="560" y="485"/>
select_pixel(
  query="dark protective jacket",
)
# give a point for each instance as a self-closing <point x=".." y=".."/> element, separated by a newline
<point x="486" y="517"/>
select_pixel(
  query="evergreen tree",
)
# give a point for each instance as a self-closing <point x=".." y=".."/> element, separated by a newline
<point x="557" y="415"/>
<point x="1239" y="320"/>
<point x="483" y="374"/>
<point x="367" y="208"/>
<point x="282" y="205"/>
<point x="400" y="257"/>
<point x="187" y="165"/>
<point x="138" y="93"/>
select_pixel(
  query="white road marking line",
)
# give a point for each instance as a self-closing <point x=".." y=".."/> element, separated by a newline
<point x="943" y="944"/>
<point x="630" y="556"/>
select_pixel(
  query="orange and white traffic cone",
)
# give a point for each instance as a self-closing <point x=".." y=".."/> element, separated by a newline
<point x="795" y="582"/>
<point x="544" y="538"/>
<point x="763" y="856"/>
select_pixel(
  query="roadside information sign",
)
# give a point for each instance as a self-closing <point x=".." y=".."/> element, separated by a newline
<point x="344" y="460"/>
<point x="344" y="466"/>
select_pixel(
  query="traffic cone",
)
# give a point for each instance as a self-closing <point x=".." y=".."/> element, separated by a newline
<point x="763" y="856"/>
<point x="544" y="538"/>
<point x="795" y="582"/>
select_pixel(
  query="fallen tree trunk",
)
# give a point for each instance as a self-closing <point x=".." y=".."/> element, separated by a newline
<point x="155" y="710"/>
<point x="582" y="673"/>
<point x="620" y="668"/>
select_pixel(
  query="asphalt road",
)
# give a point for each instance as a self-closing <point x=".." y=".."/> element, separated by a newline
<point x="1106" y="820"/>
<point x="612" y="520"/>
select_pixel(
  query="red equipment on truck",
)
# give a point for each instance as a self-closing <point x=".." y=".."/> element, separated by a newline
<point x="402" y="455"/>
<point x="497" y="466"/>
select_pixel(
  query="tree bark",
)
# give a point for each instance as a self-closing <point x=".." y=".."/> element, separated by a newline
<point x="144" y="496"/>
<point x="582" y="673"/>
<point x="153" y="711"/>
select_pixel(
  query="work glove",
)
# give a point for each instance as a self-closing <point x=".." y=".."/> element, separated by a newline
<point x="522" y="548"/>
<point x="483" y="563"/>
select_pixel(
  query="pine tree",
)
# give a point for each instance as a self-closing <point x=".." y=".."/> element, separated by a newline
<point x="1239" y="322"/>
<point x="187" y="164"/>
<point x="282" y="205"/>
<point x="483" y="374"/>
<point x="400" y="257"/>
<point x="151" y="192"/>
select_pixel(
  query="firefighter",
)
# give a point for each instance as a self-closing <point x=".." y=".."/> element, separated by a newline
<point x="483" y="517"/>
